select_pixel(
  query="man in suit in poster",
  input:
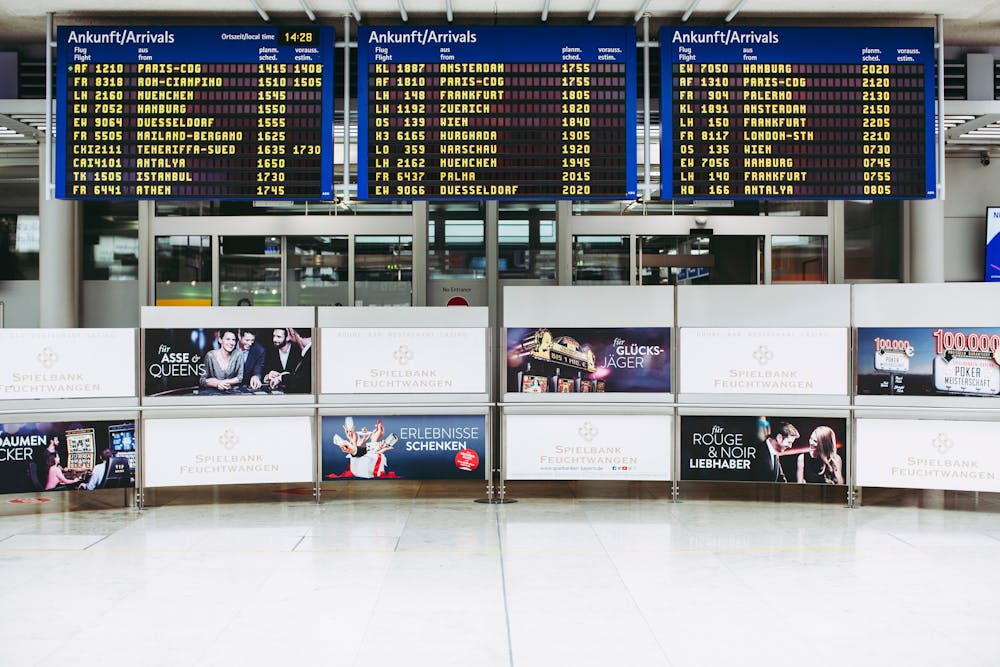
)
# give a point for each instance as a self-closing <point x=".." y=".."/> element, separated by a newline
<point x="253" y="359"/>
<point x="299" y="378"/>
<point x="281" y="358"/>
<point x="767" y="464"/>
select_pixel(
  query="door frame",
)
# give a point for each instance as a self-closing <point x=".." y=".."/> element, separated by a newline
<point x="720" y="225"/>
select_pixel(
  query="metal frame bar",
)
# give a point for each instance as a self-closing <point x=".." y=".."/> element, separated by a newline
<point x="447" y="10"/>
<point x="642" y="10"/>
<point x="347" y="108"/>
<point x="147" y="253"/>
<point x="418" y="273"/>
<point x="939" y="45"/>
<point x="351" y="290"/>
<point x="593" y="10"/>
<point x="21" y="128"/>
<point x="308" y="10"/>
<point x="49" y="130"/>
<point x="545" y="11"/>
<point x="354" y="10"/>
<point x="731" y="15"/>
<point x="564" y="242"/>
<point x="690" y="9"/>
<point x="283" y="269"/>
<point x="216" y="241"/>
<point x="851" y="479"/>
<point x="675" y="379"/>
<point x="317" y="427"/>
<point x="140" y="422"/>
<point x="633" y="260"/>
<point x="647" y="184"/>
<point x="260" y="10"/>
<point x="491" y="232"/>
<point x="402" y="12"/>
<point x="970" y="126"/>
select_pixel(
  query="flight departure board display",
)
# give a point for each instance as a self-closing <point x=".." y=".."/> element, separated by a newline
<point x="496" y="112"/>
<point x="195" y="113"/>
<point x="797" y="113"/>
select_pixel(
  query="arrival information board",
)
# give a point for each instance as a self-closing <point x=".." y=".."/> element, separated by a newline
<point x="798" y="113"/>
<point x="195" y="113"/>
<point x="496" y="113"/>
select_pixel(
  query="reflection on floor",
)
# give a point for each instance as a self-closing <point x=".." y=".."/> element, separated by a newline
<point x="415" y="573"/>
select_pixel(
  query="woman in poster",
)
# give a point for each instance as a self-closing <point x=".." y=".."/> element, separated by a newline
<point x="821" y="464"/>
<point x="57" y="480"/>
<point x="223" y="367"/>
<point x="42" y="457"/>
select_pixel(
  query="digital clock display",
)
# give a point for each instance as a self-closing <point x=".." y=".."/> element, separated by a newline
<point x="496" y="113"/>
<point x="798" y="113"/>
<point x="298" y="37"/>
<point x="195" y="113"/>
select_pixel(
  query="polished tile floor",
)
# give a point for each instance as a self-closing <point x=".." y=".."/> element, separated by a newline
<point x="572" y="574"/>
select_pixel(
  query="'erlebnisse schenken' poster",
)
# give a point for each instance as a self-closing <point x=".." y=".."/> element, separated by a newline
<point x="228" y="361"/>
<point x="768" y="448"/>
<point x="568" y="360"/>
<point x="404" y="447"/>
<point x="925" y="361"/>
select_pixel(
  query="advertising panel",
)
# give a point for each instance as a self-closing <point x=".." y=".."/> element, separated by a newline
<point x="804" y="450"/>
<point x="993" y="244"/>
<point x="925" y="361"/>
<point x="425" y="360"/>
<point x="247" y="450"/>
<point x="929" y="454"/>
<point x="588" y="360"/>
<point x="67" y="363"/>
<point x="764" y="361"/>
<point x="605" y="447"/>
<point x="59" y="456"/>
<point x="228" y="361"/>
<point x="404" y="447"/>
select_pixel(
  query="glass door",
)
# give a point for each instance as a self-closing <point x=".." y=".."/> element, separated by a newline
<point x="183" y="271"/>
<point x="383" y="270"/>
<point x="249" y="271"/>
<point x="700" y="260"/>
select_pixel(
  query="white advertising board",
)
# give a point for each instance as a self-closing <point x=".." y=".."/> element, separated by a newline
<point x="928" y="454"/>
<point x="244" y="450"/>
<point x="605" y="447"/>
<point x="764" y="361"/>
<point x="404" y="361"/>
<point x="67" y="363"/>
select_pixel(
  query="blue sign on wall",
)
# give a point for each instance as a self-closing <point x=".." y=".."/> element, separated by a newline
<point x="797" y="113"/>
<point x="195" y="113"/>
<point x="993" y="244"/>
<point x="496" y="113"/>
